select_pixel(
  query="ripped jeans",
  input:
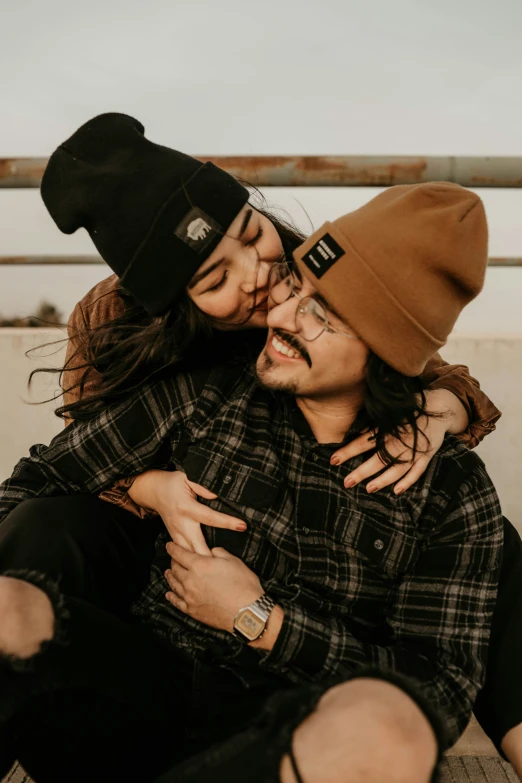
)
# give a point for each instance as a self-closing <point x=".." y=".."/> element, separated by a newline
<point x="106" y="700"/>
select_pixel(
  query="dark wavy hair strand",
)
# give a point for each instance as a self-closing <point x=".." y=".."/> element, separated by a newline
<point x="393" y="405"/>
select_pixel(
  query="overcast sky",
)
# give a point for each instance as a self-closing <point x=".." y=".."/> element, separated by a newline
<point x="288" y="77"/>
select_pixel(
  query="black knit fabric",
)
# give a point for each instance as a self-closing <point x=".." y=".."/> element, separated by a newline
<point x="153" y="213"/>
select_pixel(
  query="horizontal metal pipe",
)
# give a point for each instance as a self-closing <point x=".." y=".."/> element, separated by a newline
<point x="326" y="170"/>
<point x="50" y="260"/>
<point x="82" y="260"/>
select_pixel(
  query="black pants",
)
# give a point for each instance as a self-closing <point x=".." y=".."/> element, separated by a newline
<point x="114" y="703"/>
<point x="92" y="549"/>
<point x="499" y="704"/>
<point x="106" y="700"/>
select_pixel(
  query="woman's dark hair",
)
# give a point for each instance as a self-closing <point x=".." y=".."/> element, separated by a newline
<point x="117" y="357"/>
<point x="393" y="405"/>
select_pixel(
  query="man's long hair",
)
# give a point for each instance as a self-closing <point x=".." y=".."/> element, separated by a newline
<point x="394" y="404"/>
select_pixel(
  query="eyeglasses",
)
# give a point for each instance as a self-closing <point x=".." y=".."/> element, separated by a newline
<point x="311" y="319"/>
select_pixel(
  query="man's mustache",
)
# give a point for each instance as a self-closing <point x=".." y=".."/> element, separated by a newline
<point x="294" y="343"/>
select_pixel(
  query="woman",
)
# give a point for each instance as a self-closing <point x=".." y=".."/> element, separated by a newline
<point x="122" y="335"/>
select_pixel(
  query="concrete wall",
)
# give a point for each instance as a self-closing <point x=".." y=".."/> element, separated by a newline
<point x="495" y="361"/>
<point x="22" y="424"/>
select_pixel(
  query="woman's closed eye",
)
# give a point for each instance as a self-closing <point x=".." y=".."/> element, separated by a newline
<point x="256" y="238"/>
<point x="219" y="284"/>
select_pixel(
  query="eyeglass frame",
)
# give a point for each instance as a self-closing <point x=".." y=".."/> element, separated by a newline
<point x="301" y="299"/>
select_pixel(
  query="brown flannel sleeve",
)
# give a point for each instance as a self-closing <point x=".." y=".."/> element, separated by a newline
<point x="456" y="378"/>
<point x="100" y="305"/>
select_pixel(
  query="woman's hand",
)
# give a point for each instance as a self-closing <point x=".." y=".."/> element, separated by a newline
<point x="175" y="499"/>
<point x="454" y="419"/>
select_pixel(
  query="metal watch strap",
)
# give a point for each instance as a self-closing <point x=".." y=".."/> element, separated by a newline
<point x="262" y="607"/>
<point x="265" y="604"/>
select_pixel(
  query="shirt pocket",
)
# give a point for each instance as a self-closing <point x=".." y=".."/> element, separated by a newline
<point x="235" y="484"/>
<point x="352" y="551"/>
<point x="381" y="544"/>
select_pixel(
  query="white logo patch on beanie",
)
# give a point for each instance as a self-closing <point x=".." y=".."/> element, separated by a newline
<point x="323" y="255"/>
<point x="197" y="229"/>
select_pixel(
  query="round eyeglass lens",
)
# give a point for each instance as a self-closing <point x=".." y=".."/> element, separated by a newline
<point x="310" y="319"/>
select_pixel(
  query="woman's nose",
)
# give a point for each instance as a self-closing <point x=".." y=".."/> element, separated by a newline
<point x="249" y="285"/>
<point x="263" y="273"/>
<point x="257" y="278"/>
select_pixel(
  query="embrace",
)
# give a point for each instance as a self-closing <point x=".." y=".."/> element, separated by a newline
<point x="262" y="549"/>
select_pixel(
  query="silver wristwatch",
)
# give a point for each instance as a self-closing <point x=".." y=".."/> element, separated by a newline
<point x="250" y="622"/>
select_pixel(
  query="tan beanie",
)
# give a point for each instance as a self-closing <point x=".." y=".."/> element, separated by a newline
<point x="400" y="269"/>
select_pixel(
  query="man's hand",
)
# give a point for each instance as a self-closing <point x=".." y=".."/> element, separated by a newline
<point x="210" y="589"/>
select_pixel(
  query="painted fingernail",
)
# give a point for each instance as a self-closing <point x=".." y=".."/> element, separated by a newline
<point x="242" y="527"/>
<point x="348" y="483"/>
<point x="335" y="461"/>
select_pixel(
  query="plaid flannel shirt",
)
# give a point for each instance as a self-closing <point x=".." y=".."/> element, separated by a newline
<point x="405" y="583"/>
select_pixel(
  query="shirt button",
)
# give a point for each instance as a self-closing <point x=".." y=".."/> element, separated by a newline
<point x="306" y="530"/>
<point x="378" y="543"/>
<point x="227" y="479"/>
<point x="315" y="457"/>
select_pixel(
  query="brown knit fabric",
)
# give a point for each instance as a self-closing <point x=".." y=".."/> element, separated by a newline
<point x="400" y="269"/>
<point x="102" y="304"/>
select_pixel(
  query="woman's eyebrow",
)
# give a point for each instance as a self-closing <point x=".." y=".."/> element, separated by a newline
<point x="199" y="276"/>
<point x="246" y="221"/>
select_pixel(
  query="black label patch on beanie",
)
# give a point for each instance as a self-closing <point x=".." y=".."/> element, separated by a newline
<point x="197" y="229"/>
<point x="323" y="255"/>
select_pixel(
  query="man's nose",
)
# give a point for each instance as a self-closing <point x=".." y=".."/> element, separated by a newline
<point x="282" y="316"/>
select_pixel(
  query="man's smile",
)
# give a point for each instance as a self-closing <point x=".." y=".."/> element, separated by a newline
<point x="282" y="347"/>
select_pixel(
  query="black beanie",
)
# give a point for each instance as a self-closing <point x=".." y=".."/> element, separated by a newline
<point x="154" y="214"/>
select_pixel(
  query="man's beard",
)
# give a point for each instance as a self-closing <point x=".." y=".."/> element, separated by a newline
<point x="263" y="367"/>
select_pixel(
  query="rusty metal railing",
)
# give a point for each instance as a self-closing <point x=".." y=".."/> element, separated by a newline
<point x="326" y="170"/>
<point x="308" y="171"/>
<point x="87" y="260"/>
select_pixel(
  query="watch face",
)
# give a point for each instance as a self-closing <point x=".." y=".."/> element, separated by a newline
<point x="250" y="625"/>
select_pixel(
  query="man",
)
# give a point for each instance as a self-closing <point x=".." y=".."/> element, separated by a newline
<point x="323" y="583"/>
